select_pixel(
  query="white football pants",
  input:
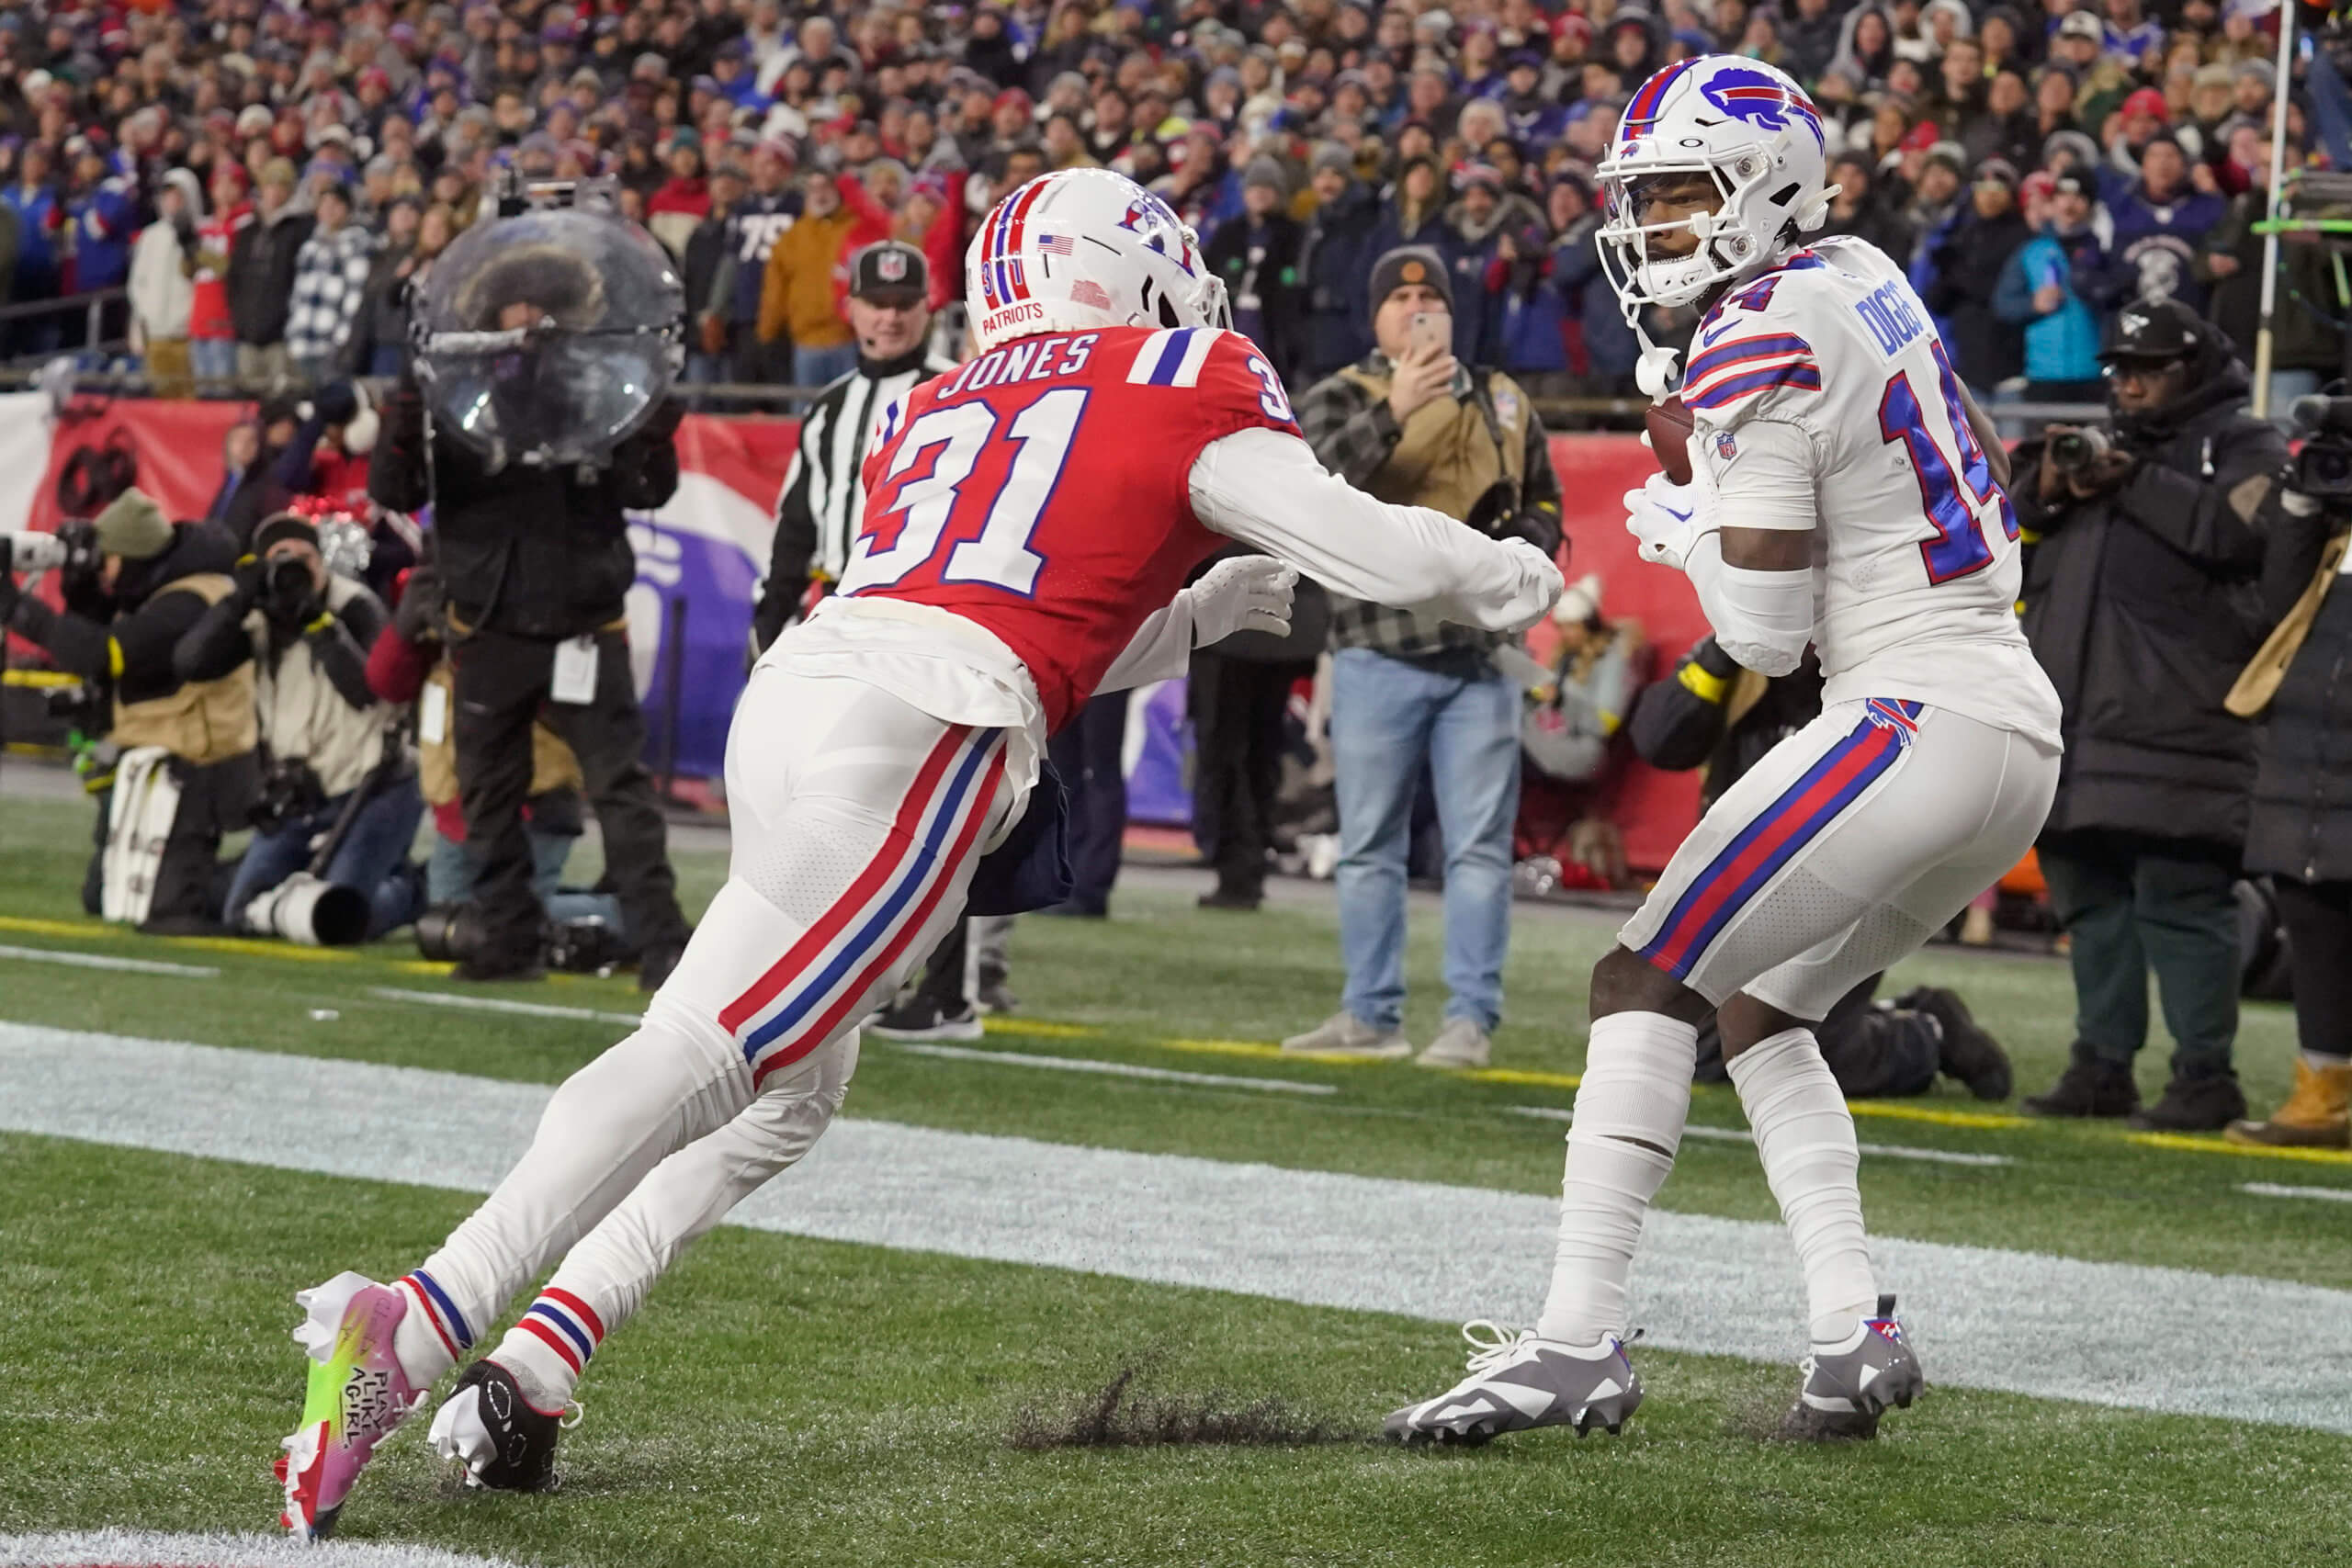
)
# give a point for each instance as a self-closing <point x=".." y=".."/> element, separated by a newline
<point x="857" y="821"/>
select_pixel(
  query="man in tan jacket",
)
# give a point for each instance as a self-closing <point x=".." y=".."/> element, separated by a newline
<point x="800" y="299"/>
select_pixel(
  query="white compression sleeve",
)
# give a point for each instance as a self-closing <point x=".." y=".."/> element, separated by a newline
<point x="1763" y="619"/>
<point x="1767" y="482"/>
<point x="1161" y="648"/>
<point x="1265" y="487"/>
<point x="1804" y="1135"/>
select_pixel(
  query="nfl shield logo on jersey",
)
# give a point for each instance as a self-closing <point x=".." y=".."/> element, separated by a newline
<point x="1726" y="447"/>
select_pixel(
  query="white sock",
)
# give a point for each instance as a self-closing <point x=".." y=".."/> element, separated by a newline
<point x="1630" y="1110"/>
<point x="1806" y="1137"/>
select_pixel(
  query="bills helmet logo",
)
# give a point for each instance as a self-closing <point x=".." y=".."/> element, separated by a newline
<point x="1161" y="231"/>
<point x="1760" y="100"/>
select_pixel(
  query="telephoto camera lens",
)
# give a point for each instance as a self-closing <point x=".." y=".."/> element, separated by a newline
<point x="449" y="933"/>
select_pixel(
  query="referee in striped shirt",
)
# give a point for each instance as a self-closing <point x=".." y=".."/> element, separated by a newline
<point x="822" y="505"/>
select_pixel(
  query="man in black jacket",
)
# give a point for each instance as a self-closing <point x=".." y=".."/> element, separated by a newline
<point x="2143" y="605"/>
<point x="1334" y="264"/>
<point x="537" y="563"/>
<point x="261" y="274"/>
<point x="146" y="584"/>
<point x="1711" y="714"/>
<point x="1257" y="254"/>
<point x="1967" y="263"/>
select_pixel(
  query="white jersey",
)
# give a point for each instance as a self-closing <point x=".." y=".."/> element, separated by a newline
<point x="1916" y="568"/>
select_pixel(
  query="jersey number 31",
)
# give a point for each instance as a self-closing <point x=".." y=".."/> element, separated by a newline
<point x="1000" y="553"/>
<point x="1955" y="501"/>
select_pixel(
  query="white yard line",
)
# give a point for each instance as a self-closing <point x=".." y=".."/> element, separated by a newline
<point x="1741" y="1136"/>
<point x="2272" y="1189"/>
<point x="492" y="1004"/>
<point x="1109" y="1069"/>
<point x="79" y="1549"/>
<point x="108" y="961"/>
<point x="2166" y="1339"/>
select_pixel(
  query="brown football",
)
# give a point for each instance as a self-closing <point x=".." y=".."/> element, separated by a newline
<point x="1669" y="426"/>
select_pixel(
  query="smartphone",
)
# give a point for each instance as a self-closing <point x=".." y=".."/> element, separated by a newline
<point x="1430" y="330"/>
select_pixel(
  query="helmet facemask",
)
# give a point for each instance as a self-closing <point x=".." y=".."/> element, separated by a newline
<point x="1728" y="244"/>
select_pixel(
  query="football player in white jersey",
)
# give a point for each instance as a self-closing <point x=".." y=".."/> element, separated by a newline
<point x="1844" y="493"/>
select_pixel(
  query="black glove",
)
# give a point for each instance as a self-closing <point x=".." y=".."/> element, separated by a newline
<point x="9" y="591"/>
<point x="1709" y="655"/>
<point x="666" y="419"/>
<point x="777" y="610"/>
<point x="252" y="577"/>
<point x="338" y="402"/>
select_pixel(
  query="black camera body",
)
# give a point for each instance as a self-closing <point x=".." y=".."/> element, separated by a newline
<point x="287" y="593"/>
<point x="289" y="790"/>
<point x="2323" y="467"/>
<point x="2072" y="451"/>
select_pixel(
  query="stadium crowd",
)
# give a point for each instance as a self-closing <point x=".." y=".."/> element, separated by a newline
<point x="267" y="179"/>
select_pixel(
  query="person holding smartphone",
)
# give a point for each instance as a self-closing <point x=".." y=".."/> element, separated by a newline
<point x="1410" y="424"/>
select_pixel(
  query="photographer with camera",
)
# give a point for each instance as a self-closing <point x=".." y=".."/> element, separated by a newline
<point x="2141" y="602"/>
<point x="134" y="583"/>
<point x="304" y="631"/>
<point x="1410" y="424"/>
<point x="2300" y="833"/>
<point x="536" y="562"/>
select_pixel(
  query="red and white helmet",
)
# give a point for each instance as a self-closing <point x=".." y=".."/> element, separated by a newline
<point x="1752" y="131"/>
<point x="1082" y="249"/>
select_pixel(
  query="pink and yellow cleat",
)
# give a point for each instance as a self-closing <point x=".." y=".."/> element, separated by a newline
<point x="358" y="1393"/>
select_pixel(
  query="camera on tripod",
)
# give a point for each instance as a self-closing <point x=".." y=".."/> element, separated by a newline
<point x="2323" y="467"/>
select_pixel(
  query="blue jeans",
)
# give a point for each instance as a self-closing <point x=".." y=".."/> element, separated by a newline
<point x="812" y="367"/>
<point x="449" y="874"/>
<point x="372" y="858"/>
<point x="1387" y="717"/>
<point x="214" y="358"/>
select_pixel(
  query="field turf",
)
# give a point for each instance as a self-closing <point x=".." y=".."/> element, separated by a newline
<point x="788" y="1400"/>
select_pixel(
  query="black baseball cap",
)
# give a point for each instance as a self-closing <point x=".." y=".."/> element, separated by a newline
<point x="891" y="273"/>
<point x="2154" y="331"/>
<point x="2072" y="184"/>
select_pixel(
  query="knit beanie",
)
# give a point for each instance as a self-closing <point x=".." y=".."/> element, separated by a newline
<point x="133" y="527"/>
<point x="1406" y="265"/>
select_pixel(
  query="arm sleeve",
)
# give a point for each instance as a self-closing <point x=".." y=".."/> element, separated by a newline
<point x="2012" y="298"/>
<point x="1265" y="487"/>
<point x="396" y="667"/>
<point x="1677" y="723"/>
<point x="1539" y="498"/>
<point x="1161" y="648"/>
<point x="215" y="644"/>
<point x="645" y="468"/>
<point x="2212" y="521"/>
<point x="75" y="644"/>
<point x="1763" y="619"/>
<point x="341" y="647"/>
<point x="794" y="546"/>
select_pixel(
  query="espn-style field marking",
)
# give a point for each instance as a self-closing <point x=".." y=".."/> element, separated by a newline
<point x="493" y="1004"/>
<point x="2117" y="1334"/>
<point x="108" y="961"/>
<point x="1109" y="1069"/>
<point x="2272" y="1189"/>
<point x="1741" y="1136"/>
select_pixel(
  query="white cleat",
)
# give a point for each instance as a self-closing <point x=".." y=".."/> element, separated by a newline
<point x="1518" y="1382"/>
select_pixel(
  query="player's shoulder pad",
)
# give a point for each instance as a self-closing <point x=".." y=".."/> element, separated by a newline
<point x="1761" y="345"/>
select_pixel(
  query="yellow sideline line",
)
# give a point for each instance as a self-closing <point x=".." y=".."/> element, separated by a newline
<point x="1518" y="1075"/>
<point x="1988" y="1119"/>
<point x="1000" y="1024"/>
<point x="60" y="927"/>
<point x="1273" y="1052"/>
<point x="2218" y="1146"/>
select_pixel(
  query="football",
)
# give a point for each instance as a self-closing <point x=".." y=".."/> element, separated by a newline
<point x="1668" y="424"/>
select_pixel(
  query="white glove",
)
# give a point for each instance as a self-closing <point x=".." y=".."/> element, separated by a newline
<point x="1247" y="594"/>
<point x="1667" y="519"/>
<point x="1537" y="591"/>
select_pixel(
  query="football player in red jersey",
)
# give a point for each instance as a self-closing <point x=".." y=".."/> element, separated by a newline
<point x="1030" y="520"/>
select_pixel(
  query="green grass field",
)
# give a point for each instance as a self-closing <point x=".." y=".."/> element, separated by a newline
<point x="783" y="1399"/>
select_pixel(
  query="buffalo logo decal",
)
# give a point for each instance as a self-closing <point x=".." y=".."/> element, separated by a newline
<point x="1760" y="100"/>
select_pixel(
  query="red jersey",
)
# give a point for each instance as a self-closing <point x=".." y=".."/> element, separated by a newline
<point x="1044" y="490"/>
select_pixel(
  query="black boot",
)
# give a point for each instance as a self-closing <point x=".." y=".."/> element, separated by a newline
<point x="1963" y="1050"/>
<point x="505" y="1444"/>
<point x="2088" y="1087"/>
<point x="2206" y="1103"/>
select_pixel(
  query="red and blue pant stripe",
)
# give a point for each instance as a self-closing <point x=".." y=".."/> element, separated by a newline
<point x="1743" y="867"/>
<point x="802" y="998"/>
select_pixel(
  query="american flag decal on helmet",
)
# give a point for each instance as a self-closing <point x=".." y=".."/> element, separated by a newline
<point x="1057" y="244"/>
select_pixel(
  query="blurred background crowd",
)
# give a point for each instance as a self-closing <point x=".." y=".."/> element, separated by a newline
<point x="267" y="180"/>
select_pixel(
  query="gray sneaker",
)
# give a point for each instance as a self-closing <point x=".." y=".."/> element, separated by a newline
<point x="1849" y="1386"/>
<point x="1516" y="1383"/>
<point x="1345" y="1035"/>
<point x="1461" y="1044"/>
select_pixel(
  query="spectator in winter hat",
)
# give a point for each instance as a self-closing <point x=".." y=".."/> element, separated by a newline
<point x="161" y="292"/>
<point x="2159" y="224"/>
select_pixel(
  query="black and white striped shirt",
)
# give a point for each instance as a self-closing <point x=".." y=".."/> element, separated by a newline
<point x="823" y="504"/>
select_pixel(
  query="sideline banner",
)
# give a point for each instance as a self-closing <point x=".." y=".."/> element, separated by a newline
<point x="700" y="557"/>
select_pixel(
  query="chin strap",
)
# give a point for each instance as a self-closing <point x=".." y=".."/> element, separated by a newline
<point x="1653" y="371"/>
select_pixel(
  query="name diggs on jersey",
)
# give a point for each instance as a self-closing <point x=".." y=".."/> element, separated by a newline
<point x="1031" y="359"/>
<point x="1887" y="311"/>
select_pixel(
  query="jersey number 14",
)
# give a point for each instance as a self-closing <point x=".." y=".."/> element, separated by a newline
<point x="1955" y="498"/>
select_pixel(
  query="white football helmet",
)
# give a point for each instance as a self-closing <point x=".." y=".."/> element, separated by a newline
<point x="1745" y="126"/>
<point x="1082" y="249"/>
